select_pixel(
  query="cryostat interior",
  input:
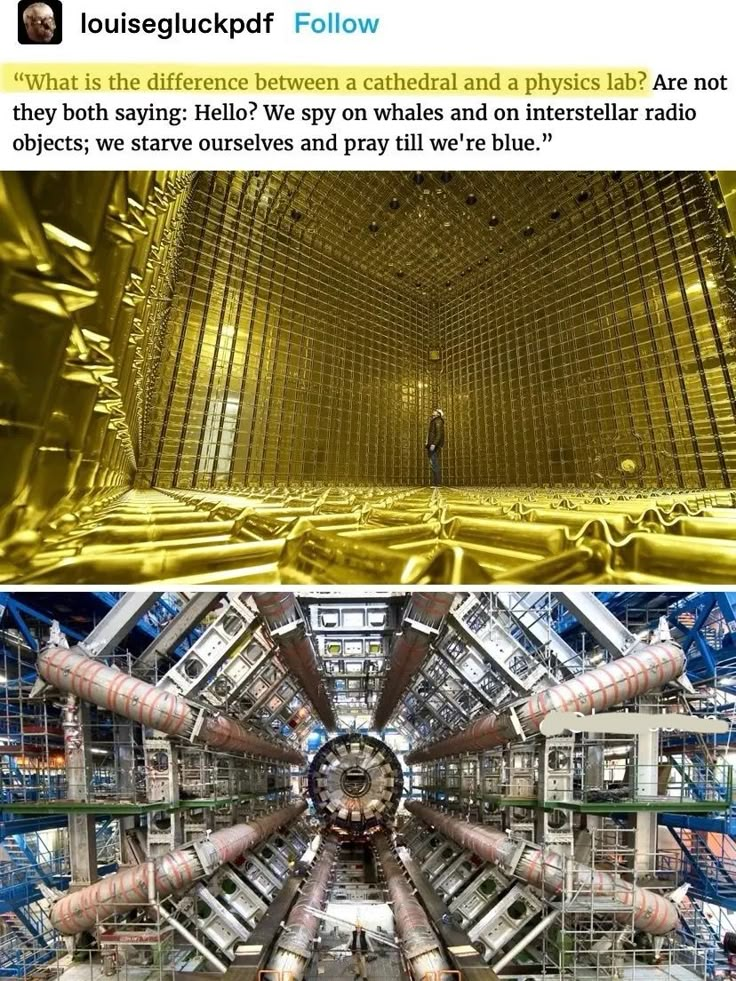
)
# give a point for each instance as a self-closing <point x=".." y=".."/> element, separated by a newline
<point x="231" y="374"/>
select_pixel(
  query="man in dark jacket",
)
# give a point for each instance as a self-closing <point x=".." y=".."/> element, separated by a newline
<point x="359" y="948"/>
<point x="435" y="442"/>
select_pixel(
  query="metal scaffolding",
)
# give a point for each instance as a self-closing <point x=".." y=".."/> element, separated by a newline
<point x="155" y="847"/>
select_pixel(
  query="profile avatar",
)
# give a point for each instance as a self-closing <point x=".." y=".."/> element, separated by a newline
<point x="38" y="23"/>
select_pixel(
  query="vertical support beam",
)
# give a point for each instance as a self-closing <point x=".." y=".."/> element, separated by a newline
<point x="125" y="775"/>
<point x="162" y="784"/>
<point x="647" y="774"/>
<point x="727" y="181"/>
<point x="82" y="841"/>
<point x="593" y="778"/>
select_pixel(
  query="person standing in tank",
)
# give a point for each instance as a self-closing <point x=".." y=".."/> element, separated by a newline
<point x="435" y="442"/>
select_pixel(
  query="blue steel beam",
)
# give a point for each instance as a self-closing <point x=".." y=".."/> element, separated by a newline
<point x="720" y="824"/>
<point x="727" y="605"/>
<point x="26" y="826"/>
<point x="709" y="650"/>
<point x="18" y="609"/>
<point x="21" y="612"/>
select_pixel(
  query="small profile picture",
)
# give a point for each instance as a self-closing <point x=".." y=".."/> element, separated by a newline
<point x="39" y="21"/>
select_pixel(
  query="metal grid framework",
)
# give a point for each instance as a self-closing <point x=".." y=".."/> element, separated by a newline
<point x="481" y="660"/>
<point x="220" y="912"/>
<point x="117" y="772"/>
<point x="246" y="342"/>
<point x="284" y="363"/>
<point x="353" y="640"/>
<point x="582" y="935"/>
<point x="601" y="775"/>
<point x="604" y="353"/>
<point x="323" y="343"/>
<point x="582" y="942"/>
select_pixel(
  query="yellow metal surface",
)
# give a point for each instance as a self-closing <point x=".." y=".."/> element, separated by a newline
<point x="396" y="535"/>
<point x="222" y="377"/>
<point x="87" y="262"/>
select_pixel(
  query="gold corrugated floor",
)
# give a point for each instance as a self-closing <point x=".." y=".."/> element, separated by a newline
<point x="223" y="376"/>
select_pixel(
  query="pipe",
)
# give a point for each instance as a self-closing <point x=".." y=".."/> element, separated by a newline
<point x="280" y="610"/>
<point x="549" y="871"/>
<point x="526" y="939"/>
<point x="409" y="649"/>
<point x="636" y="674"/>
<point x="174" y="872"/>
<point x="190" y="938"/>
<point x="112" y="689"/>
<point x="421" y="946"/>
<point x="294" y="946"/>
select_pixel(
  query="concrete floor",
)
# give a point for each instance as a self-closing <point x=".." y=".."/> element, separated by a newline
<point x="380" y="968"/>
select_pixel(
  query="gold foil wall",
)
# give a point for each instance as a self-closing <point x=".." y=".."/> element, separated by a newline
<point x="601" y="351"/>
<point x="85" y="258"/>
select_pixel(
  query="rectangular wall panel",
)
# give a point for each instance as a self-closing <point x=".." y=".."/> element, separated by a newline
<point x="600" y="352"/>
<point x="575" y="328"/>
<point x="288" y="365"/>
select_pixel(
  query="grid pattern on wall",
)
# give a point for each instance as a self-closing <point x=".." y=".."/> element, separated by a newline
<point x="314" y="325"/>
<point x="603" y="353"/>
<point x="282" y="363"/>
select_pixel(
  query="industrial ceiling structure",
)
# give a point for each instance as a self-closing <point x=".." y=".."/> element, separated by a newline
<point x="221" y="378"/>
<point x="507" y="784"/>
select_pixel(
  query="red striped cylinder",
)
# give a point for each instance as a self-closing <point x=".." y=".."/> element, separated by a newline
<point x="411" y="921"/>
<point x="96" y="682"/>
<point x="409" y="649"/>
<point x="174" y="872"/>
<point x="302" y="926"/>
<point x="611" y="684"/>
<point x="297" y="650"/>
<point x="546" y="870"/>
